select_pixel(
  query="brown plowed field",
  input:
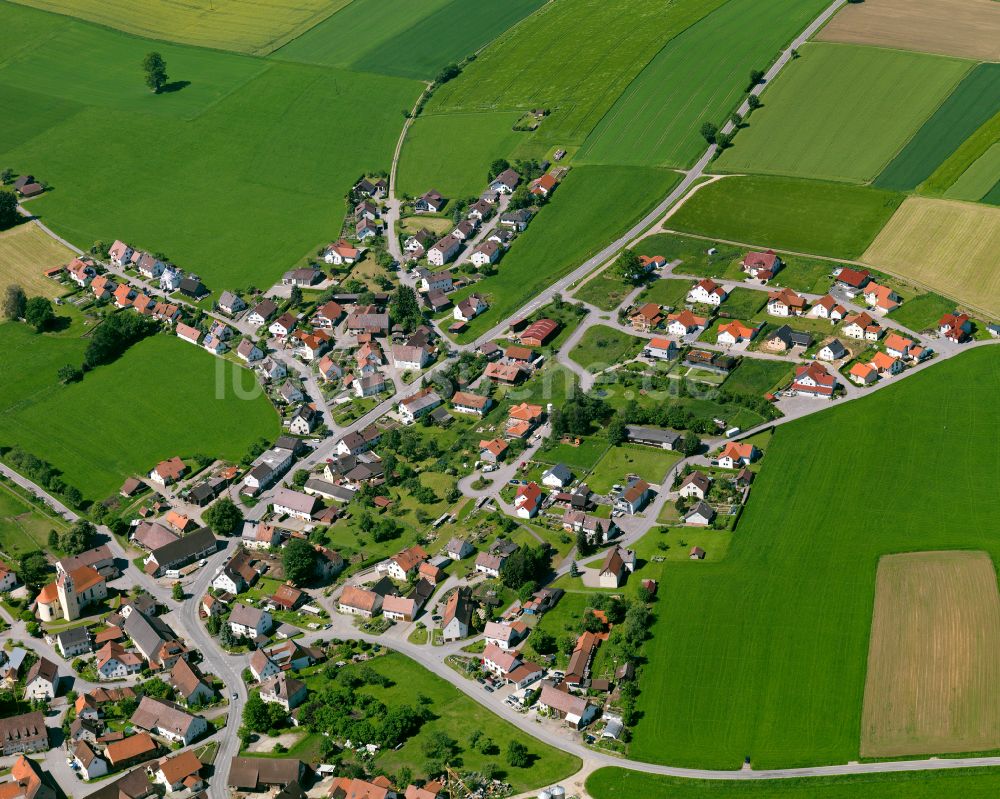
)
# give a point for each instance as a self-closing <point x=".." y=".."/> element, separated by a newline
<point x="933" y="682"/>
<point x="965" y="28"/>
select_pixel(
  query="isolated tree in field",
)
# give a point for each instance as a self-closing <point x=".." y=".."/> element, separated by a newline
<point x="628" y="267"/>
<point x="38" y="313"/>
<point x="517" y="755"/>
<point x="224" y="517"/>
<point x="14" y="302"/>
<point x="154" y="70"/>
<point x="8" y="209"/>
<point x="69" y="373"/>
<point x="708" y="131"/>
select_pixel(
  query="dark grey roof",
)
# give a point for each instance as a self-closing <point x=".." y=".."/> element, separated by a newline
<point x="562" y="471"/>
<point x="637" y="432"/>
<point x="837" y="348"/>
<point x="73" y="636"/>
<point x="187" y="547"/>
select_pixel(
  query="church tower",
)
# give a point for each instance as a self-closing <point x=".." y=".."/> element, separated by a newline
<point x="67" y="596"/>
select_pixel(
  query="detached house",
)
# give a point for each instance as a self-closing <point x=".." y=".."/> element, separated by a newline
<point x="736" y="454"/>
<point x="429" y="203"/>
<point x="761" y="265"/>
<point x="230" y="303"/>
<point x="634" y="497"/>
<point x="359" y="602"/>
<point x="469" y="308"/>
<point x="457" y="616"/>
<point x="247" y="351"/>
<point x="785" y="302"/>
<point x="827" y="307"/>
<point x="528" y="500"/>
<point x="864" y="374"/>
<point x="734" y="332"/>
<point x="473" y="404"/>
<point x="881" y="298"/>
<point x="283" y="325"/>
<point x="618" y="563"/>
<point x="250" y="622"/>
<point x="814" y="380"/>
<point x="707" y="292"/>
<point x="505" y="182"/>
<point x="120" y="254"/>
<point x="81" y="272"/>
<point x="423" y="402"/>
<point x="488" y="252"/>
<point x="684" y="323"/>
<point x="646" y="318"/>
<point x="862" y="326"/>
<point x="955" y="327"/>
<point x="444" y="250"/>
<point x="263" y="311"/>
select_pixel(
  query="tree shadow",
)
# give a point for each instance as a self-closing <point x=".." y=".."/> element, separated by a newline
<point x="58" y="324"/>
<point x="175" y="86"/>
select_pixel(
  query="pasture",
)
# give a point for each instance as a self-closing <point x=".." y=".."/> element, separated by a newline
<point x="947" y="246"/>
<point x="970" y="783"/>
<point x="235" y="177"/>
<point x="963" y="28"/>
<point x="453" y="152"/>
<point x="932" y="665"/>
<point x="137" y="410"/>
<point x="577" y="77"/>
<point x="593" y="206"/>
<point x="241" y="25"/>
<point x="25" y="252"/>
<point x="410" y="40"/>
<point x="830" y="219"/>
<point x="601" y="347"/>
<point x="815" y="123"/>
<point x="656" y="119"/>
<point x="971" y="105"/>
<point x="779" y="663"/>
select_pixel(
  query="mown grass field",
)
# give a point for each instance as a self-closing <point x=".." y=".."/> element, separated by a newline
<point x="22" y="526"/>
<point x="973" y="103"/>
<point x="235" y="176"/>
<point x="241" y="25"/>
<point x="603" y="346"/>
<point x="649" y="463"/>
<point x="457" y="716"/>
<point x="815" y="123"/>
<point x="453" y="152"/>
<point x="801" y="215"/>
<point x="981" y="176"/>
<point x="655" y="122"/>
<point x="593" y="205"/>
<point x="964" y="28"/>
<point x="411" y="40"/>
<point x="922" y="311"/>
<point x="950" y="247"/>
<point x="162" y="398"/>
<point x="932" y="669"/>
<point x="574" y="57"/>
<point x="983" y="783"/>
<point x="775" y="668"/>
<point x="971" y="150"/>
<point x="25" y="252"/>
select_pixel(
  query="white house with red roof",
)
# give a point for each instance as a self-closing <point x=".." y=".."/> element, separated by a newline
<point x="663" y="349"/>
<point x="785" y="302"/>
<point x="864" y="374"/>
<point x="955" y="327"/>
<point x="736" y="454"/>
<point x="340" y="252"/>
<point x="827" y="307"/>
<point x="528" y="500"/>
<point x="707" y="292"/>
<point x="735" y="332"/>
<point x="761" y="265"/>
<point x="683" y="323"/>
<point x="814" y="380"/>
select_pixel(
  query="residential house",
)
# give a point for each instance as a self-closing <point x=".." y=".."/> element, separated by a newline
<point x="42" y="680"/>
<point x="230" y="303"/>
<point x="81" y="272"/>
<point x="473" y="404"/>
<point x="304" y="420"/>
<point x="193" y="288"/>
<point x="465" y="229"/>
<point x="544" y="185"/>
<point x="761" y="265"/>
<point x="170" y="280"/>
<point x="429" y="203"/>
<point x="103" y="287"/>
<point x="114" y="663"/>
<point x="367" y="319"/>
<point x="557" y="476"/>
<point x="415" y="406"/>
<point x="153" y="639"/>
<point x="180" y="772"/>
<point x="485" y="253"/>
<point x="646" y="318"/>
<point x="493" y="450"/>
<point x="955" y="327"/>
<point x="435" y="281"/>
<point x="528" y="500"/>
<point x="261" y="312"/>
<point x="853" y="280"/>
<point x="881" y="298"/>
<point x="328" y="315"/>
<point x="707" y="292"/>
<point x="247" y="621"/>
<point x="785" y="302"/>
<point x="886" y="364"/>
<point x="359" y="602"/>
<point x="189" y="683"/>
<point x="634" y="497"/>
<point x="833" y="350"/>
<point x="259" y="774"/>
<point x="701" y="515"/>
<point x="457" y="615"/>
<point x="293" y="503"/>
<point x="695" y="486"/>
<point x="516" y="220"/>
<point x="306" y="276"/>
<point x="369" y="385"/>
<point x="25" y="732"/>
<point x="827" y="307"/>
<point x="329" y="369"/>
<point x="504" y="635"/>
<point x="864" y="374"/>
<point x="618" y="563"/>
<point x="399" y="608"/>
<point x="167" y="472"/>
<point x="862" y="326"/>
<point x="469" y="308"/>
<point x="283" y="325"/>
<point x="489" y="563"/>
<point x="124" y="295"/>
<point x="120" y="254"/>
<point x="129" y="751"/>
<point x="150" y="267"/>
<point x="784" y="339"/>
<point x="522" y="420"/>
<point x="736" y="454"/>
<point x="405" y="563"/>
<point x="444" y="250"/>
<point x="505" y="182"/>
<point x="168" y="720"/>
<point x="90" y="764"/>
<point x="898" y="346"/>
<point x="684" y="323"/>
<point x="662" y="349"/>
<point x="357" y="442"/>
<point x="247" y="351"/>
<point x="598" y="530"/>
<point x="735" y="332"/>
<point x="575" y="710"/>
<point x="74" y="641"/>
<point x="405" y="356"/>
<point x="283" y="690"/>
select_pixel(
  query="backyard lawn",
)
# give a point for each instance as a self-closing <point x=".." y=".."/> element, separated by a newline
<point x="743" y="303"/>
<point x="780" y="663"/>
<point x="649" y="463"/>
<point x="602" y="347"/>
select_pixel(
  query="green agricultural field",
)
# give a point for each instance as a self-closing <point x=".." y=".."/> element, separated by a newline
<point x="456" y="716"/>
<point x="162" y="398"/>
<point x="983" y="783"/>
<point x="970" y="151"/>
<point x="241" y="25"/>
<point x="235" y="176"/>
<point x="593" y="205"/>
<point x="655" y="122"/>
<point x="602" y="347"/>
<point x="800" y="215"/>
<point x="993" y="195"/>
<point x="758" y="376"/>
<point x="573" y="57"/>
<point x="411" y="40"/>
<point x="815" y="123"/>
<point x="649" y="463"/>
<point x="975" y="100"/>
<point x="453" y="152"/>
<point x="977" y="181"/>
<point x="779" y="663"/>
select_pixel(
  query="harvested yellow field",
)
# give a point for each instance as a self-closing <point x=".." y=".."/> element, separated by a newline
<point x="933" y="680"/>
<point x="948" y="246"/>
<point x="965" y="28"/>
<point x="247" y="26"/>
<point x="25" y="253"/>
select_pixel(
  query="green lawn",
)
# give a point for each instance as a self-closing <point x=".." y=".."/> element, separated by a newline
<point x="452" y="152"/>
<point x="743" y="303"/>
<point x="593" y="205"/>
<point x="579" y="458"/>
<point x="693" y="79"/>
<point x="649" y="463"/>
<point x="922" y="312"/>
<point x="573" y="57"/>
<point x="603" y="346"/>
<point x="766" y="651"/>
<point x="399" y="37"/>
<point x="816" y="123"/>
<point x="235" y="176"/>
<point x="164" y="397"/>
<point x="669" y="292"/>
<point x="801" y="215"/>
<point x="757" y="376"/>
<point x="457" y="716"/>
<point x="983" y="783"/>
<point x="975" y="100"/>
<point x="23" y="527"/>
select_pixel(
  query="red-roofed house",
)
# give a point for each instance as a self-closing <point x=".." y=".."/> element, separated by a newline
<point x="528" y="500"/>
<point x="814" y="380"/>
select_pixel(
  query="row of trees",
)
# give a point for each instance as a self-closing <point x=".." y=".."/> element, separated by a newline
<point x="44" y="474"/>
